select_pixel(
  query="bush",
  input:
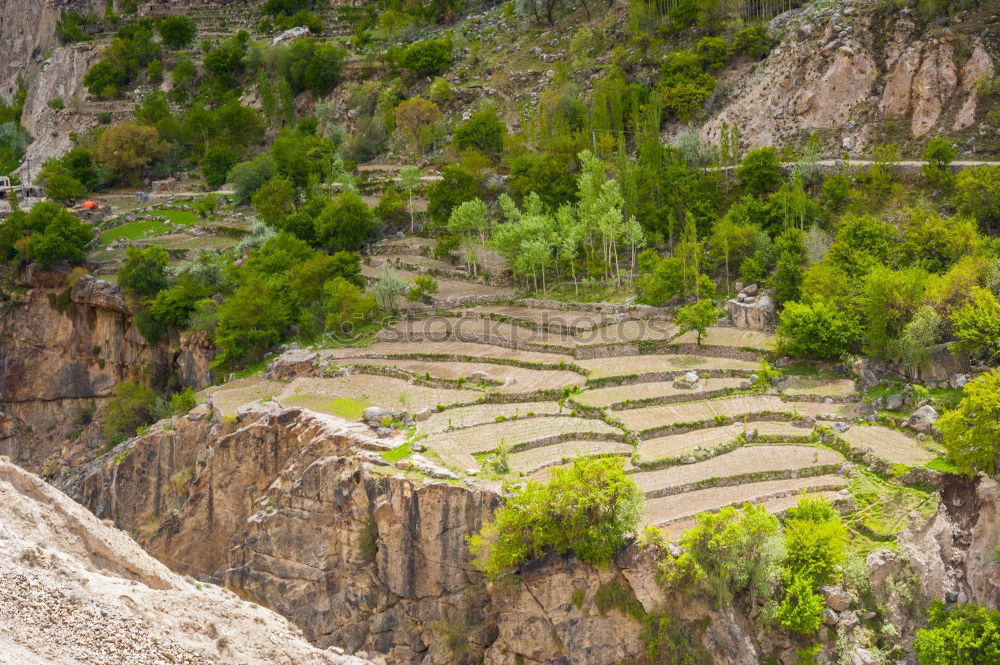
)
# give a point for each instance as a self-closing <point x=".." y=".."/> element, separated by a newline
<point x="423" y="287"/>
<point x="248" y="177"/>
<point x="144" y="270"/>
<point x="726" y="553"/>
<point x="176" y="31"/>
<point x="59" y="184"/>
<point x="817" y="330"/>
<point x="976" y="325"/>
<point x="483" y="131"/>
<point x="802" y="608"/>
<point x="106" y="79"/>
<point x="252" y="320"/>
<point x="427" y="57"/>
<point x="967" y="634"/>
<point x="752" y="41"/>
<point x="760" y="172"/>
<point x="345" y="223"/>
<point x="216" y="163"/>
<point x="127" y="148"/>
<point x="977" y="193"/>
<point x="972" y="431"/>
<point x="815" y="540"/>
<point x="183" y="401"/>
<point x="938" y="155"/>
<point x="54" y="234"/>
<point x="131" y="406"/>
<point x="586" y="509"/>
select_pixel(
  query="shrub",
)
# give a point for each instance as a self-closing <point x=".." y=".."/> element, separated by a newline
<point x="54" y="234"/>
<point x="415" y="116"/>
<point x="815" y="540"/>
<point x="127" y="148"/>
<point x="815" y="330"/>
<point x="976" y="324"/>
<point x="802" y="608"/>
<point x="176" y="31"/>
<point x="248" y="177"/>
<point x="977" y="193"/>
<point x="760" y="171"/>
<point x="216" y="163"/>
<point x="483" y="131"/>
<point x="105" y="79"/>
<point x="728" y="552"/>
<point x="587" y="508"/>
<point x="344" y="223"/>
<point x="132" y="405"/>
<point x="752" y="41"/>
<point x="972" y="431"/>
<point x="144" y="270"/>
<point x="423" y="287"/>
<point x="456" y="186"/>
<point x="968" y="634"/>
<point x="938" y="155"/>
<point x="183" y="401"/>
<point x="429" y="56"/>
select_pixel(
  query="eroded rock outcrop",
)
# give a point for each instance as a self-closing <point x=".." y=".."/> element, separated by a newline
<point x="845" y="68"/>
<point x="65" y="342"/>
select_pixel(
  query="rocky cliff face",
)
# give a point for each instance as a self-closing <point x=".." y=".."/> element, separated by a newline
<point x="64" y="344"/>
<point x="848" y="71"/>
<point x="295" y="511"/>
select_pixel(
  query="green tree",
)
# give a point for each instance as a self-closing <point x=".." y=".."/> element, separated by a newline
<point x="468" y="220"/>
<point x="484" y="131"/>
<point x="977" y="193"/>
<point x="760" y="172"/>
<point x="346" y="305"/>
<point x="127" y="148"/>
<point x="697" y="317"/>
<point x="252" y="320"/>
<point x="802" y="608"/>
<point x="426" y="57"/>
<point x="816" y="330"/>
<point x="216" y="163"/>
<point x="733" y="551"/>
<point x="815" y="541"/>
<point x="456" y="185"/>
<point x="105" y="79"/>
<point x="176" y="31"/>
<point x="587" y="508"/>
<point x="59" y="183"/>
<point x="964" y="634"/>
<point x="861" y="244"/>
<point x="938" y="157"/>
<point x="976" y="324"/>
<point x="415" y="116"/>
<point x="887" y="301"/>
<point x="972" y="430"/>
<point x="144" y="270"/>
<point x="344" y="223"/>
<point x="409" y="179"/>
<point x="275" y="201"/>
<point x="249" y="177"/>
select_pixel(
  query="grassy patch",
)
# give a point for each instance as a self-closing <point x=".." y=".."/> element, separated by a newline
<point x="132" y="231"/>
<point x="396" y="454"/>
<point x="883" y="511"/>
<point x="947" y="398"/>
<point x="802" y="369"/>
<point x="942" y="464"/>
<point x="178" y="216"/>
<point x="347" y="408"/>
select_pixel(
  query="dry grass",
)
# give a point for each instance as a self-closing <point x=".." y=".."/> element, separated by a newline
<point x="679" y="506"/>
<point x="725" y="407"/>
<point x="739" y="338"/>
<point x="602" y="397"/>
<point x="651" y="364"/>
<point x="384" y="391"/>
<point x="530" y="461"/>
<point x="746" y="460"/>
<point x="481" y="414"/>
<point x="822" y="387"/>
<point x="526" y="380"/>
<point x="889" y="444"/>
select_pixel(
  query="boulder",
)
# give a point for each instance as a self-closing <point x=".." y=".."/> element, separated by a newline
<point x="894" y="402"/>
<point x="756" y="313"/>
<point x="291" y="364"/>
<point x="837" y="598"/>
<point x="922" y="420"/>
<point x="751" y="290"/>
<point x="374" y="416"/>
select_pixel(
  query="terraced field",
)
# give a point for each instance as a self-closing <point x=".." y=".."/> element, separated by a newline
<point x="697" y="449"/>
<point x="891" y="445"/>
<point x="735" y="338"/>
<point x="747" y="463"/>
<point x="675" y="445"/>
<point x="753" y="407"/>
<point x="388" y="392"/>
<point x="481" y="414"/>
<point x="514" y="380"/>
<point x="663" y="392"/>
<point x="602" y="368"/>
<point x="535" y="459"/>
<point x="673" y="509"/>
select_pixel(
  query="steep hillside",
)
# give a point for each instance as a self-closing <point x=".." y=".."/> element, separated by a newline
<point x="74" y="590"/>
